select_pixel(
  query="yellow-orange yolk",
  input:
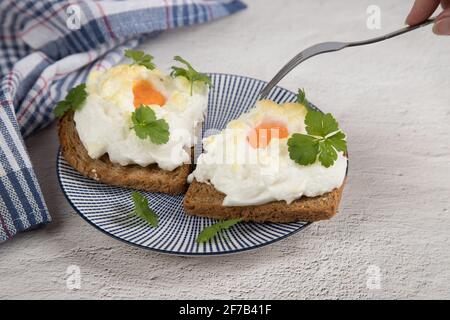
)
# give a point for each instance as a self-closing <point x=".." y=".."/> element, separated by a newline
<point x="145" y="94"/>
<point x="260" y="136"/>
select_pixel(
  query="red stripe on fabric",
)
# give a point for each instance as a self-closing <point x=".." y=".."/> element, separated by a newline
<point x="8" y="101"/>
<point x="7" y="232"/>
<point x="22" y="113"/>
<point x="9" y="83"/>
<point x="56" y="75"/>
<point x="39" y="22"/>
<point x="210" y="13"/>
<point x="44" y="56"/>
<point x="105" y="20"/>
<point x="13" y="37"/>
<point x="9" y="79"/>
<point x="30" y="15"/>
<point x="99" y="65"/>
<point x="45" y="19"/>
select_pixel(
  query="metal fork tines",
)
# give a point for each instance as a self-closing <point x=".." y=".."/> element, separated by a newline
<point x="329" y="47"/>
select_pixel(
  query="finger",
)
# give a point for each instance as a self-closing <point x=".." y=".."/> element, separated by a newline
<point x="442" y="24"/>
<point x="445" y="4"/>
<point x="443" y="14"/>
<point x="421" y="10"/>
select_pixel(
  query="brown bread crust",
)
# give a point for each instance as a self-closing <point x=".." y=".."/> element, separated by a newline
<point x="204" y="200"/>
<point x="150" y="178"/>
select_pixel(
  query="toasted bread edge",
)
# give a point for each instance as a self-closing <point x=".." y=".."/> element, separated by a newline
<point x="150" y="178"/>
<point x="204" y="200"/>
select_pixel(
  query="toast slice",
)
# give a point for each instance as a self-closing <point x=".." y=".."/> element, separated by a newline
<point x="204" y="200"/>
<point x="150" y="178"/>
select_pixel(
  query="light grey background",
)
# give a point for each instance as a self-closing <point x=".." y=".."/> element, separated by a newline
<point x="393" y="101"/>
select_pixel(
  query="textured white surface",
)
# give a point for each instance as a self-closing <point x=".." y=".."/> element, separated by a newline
<point x="392" y="99"/>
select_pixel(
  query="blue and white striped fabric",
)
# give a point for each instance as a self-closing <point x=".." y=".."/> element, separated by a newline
<point x="46" y="48"/>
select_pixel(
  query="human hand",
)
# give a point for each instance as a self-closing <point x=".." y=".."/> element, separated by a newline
<point x="423" y="9"/>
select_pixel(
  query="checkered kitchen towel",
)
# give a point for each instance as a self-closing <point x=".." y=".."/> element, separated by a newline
<point x="46" y="48"/>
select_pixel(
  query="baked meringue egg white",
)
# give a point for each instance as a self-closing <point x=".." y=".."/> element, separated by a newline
<point x="249" y="160"/>
<point x="104" y="123"/>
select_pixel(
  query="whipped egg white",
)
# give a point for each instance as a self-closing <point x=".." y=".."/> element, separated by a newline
<point x="104" y="122"/>
<point x="250" y="175"/>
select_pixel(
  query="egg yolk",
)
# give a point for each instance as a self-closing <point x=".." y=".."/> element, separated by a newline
<point x="261" y="136"/>
<point x="145" y="94"/>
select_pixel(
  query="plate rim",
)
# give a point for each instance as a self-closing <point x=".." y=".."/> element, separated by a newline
<point x="169" y="252"/>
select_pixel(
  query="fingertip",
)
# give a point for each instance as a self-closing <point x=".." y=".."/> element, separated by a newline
<point x="421" y="10"/>
<point x="442" y="27"/>
<point x="410" y="20"/>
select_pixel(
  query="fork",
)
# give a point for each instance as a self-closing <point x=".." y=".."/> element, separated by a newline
<point x="325" y="47"/>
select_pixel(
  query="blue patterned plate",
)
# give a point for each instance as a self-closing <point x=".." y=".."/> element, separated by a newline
<point x="107" y="208"/>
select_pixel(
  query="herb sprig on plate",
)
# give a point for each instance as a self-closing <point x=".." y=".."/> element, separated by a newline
<point x="142" y="210"/>
<point x="213" y="230"/>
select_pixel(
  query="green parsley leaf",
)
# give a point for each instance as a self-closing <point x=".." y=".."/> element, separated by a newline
<point x="327" y="154"/>
<point x="211" y="231"/>
<point x="319" y="124"/>
<point x="61" y="108"/>
<point x="189" y="73"/>
<point x="146" y="125"/>
<point x="322" y="142"/>
<point x="142" y="210"/>
<point x="338" y="141"/>
<point x="140" y="58"/>
<point x="303" y="149"/>
<point x="301" y="98"/>
<point x="73" y="101"/>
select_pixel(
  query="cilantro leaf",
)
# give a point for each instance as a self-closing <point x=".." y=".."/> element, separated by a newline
<point x="303" y="149"/>
<point x="140" y="58"/>
<point x="327" y="154"/>
<point x="319" y="124"/>
<point x="323" y="141"/>
<point x="61" y="108"/>
<point x="338" y="142"/>
<point x="143" y="114"/>
<point x="142" y="210"/>
<point x="73" y="100"/>
<point x="329" y="124"/>
<point x="189" y="73"/>
<point x="301" y="98"/>
<point x="210" y="232"/>
<point x="146" y="125"/>
<point x="313" y="123"/>
<point x="158" y="131"/>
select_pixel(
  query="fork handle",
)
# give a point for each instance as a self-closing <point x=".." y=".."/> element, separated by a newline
<point x="330" y="47"/>
<point x="390" y="35"/>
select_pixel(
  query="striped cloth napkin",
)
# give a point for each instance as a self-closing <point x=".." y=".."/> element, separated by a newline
<point x="48" y="47"/>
